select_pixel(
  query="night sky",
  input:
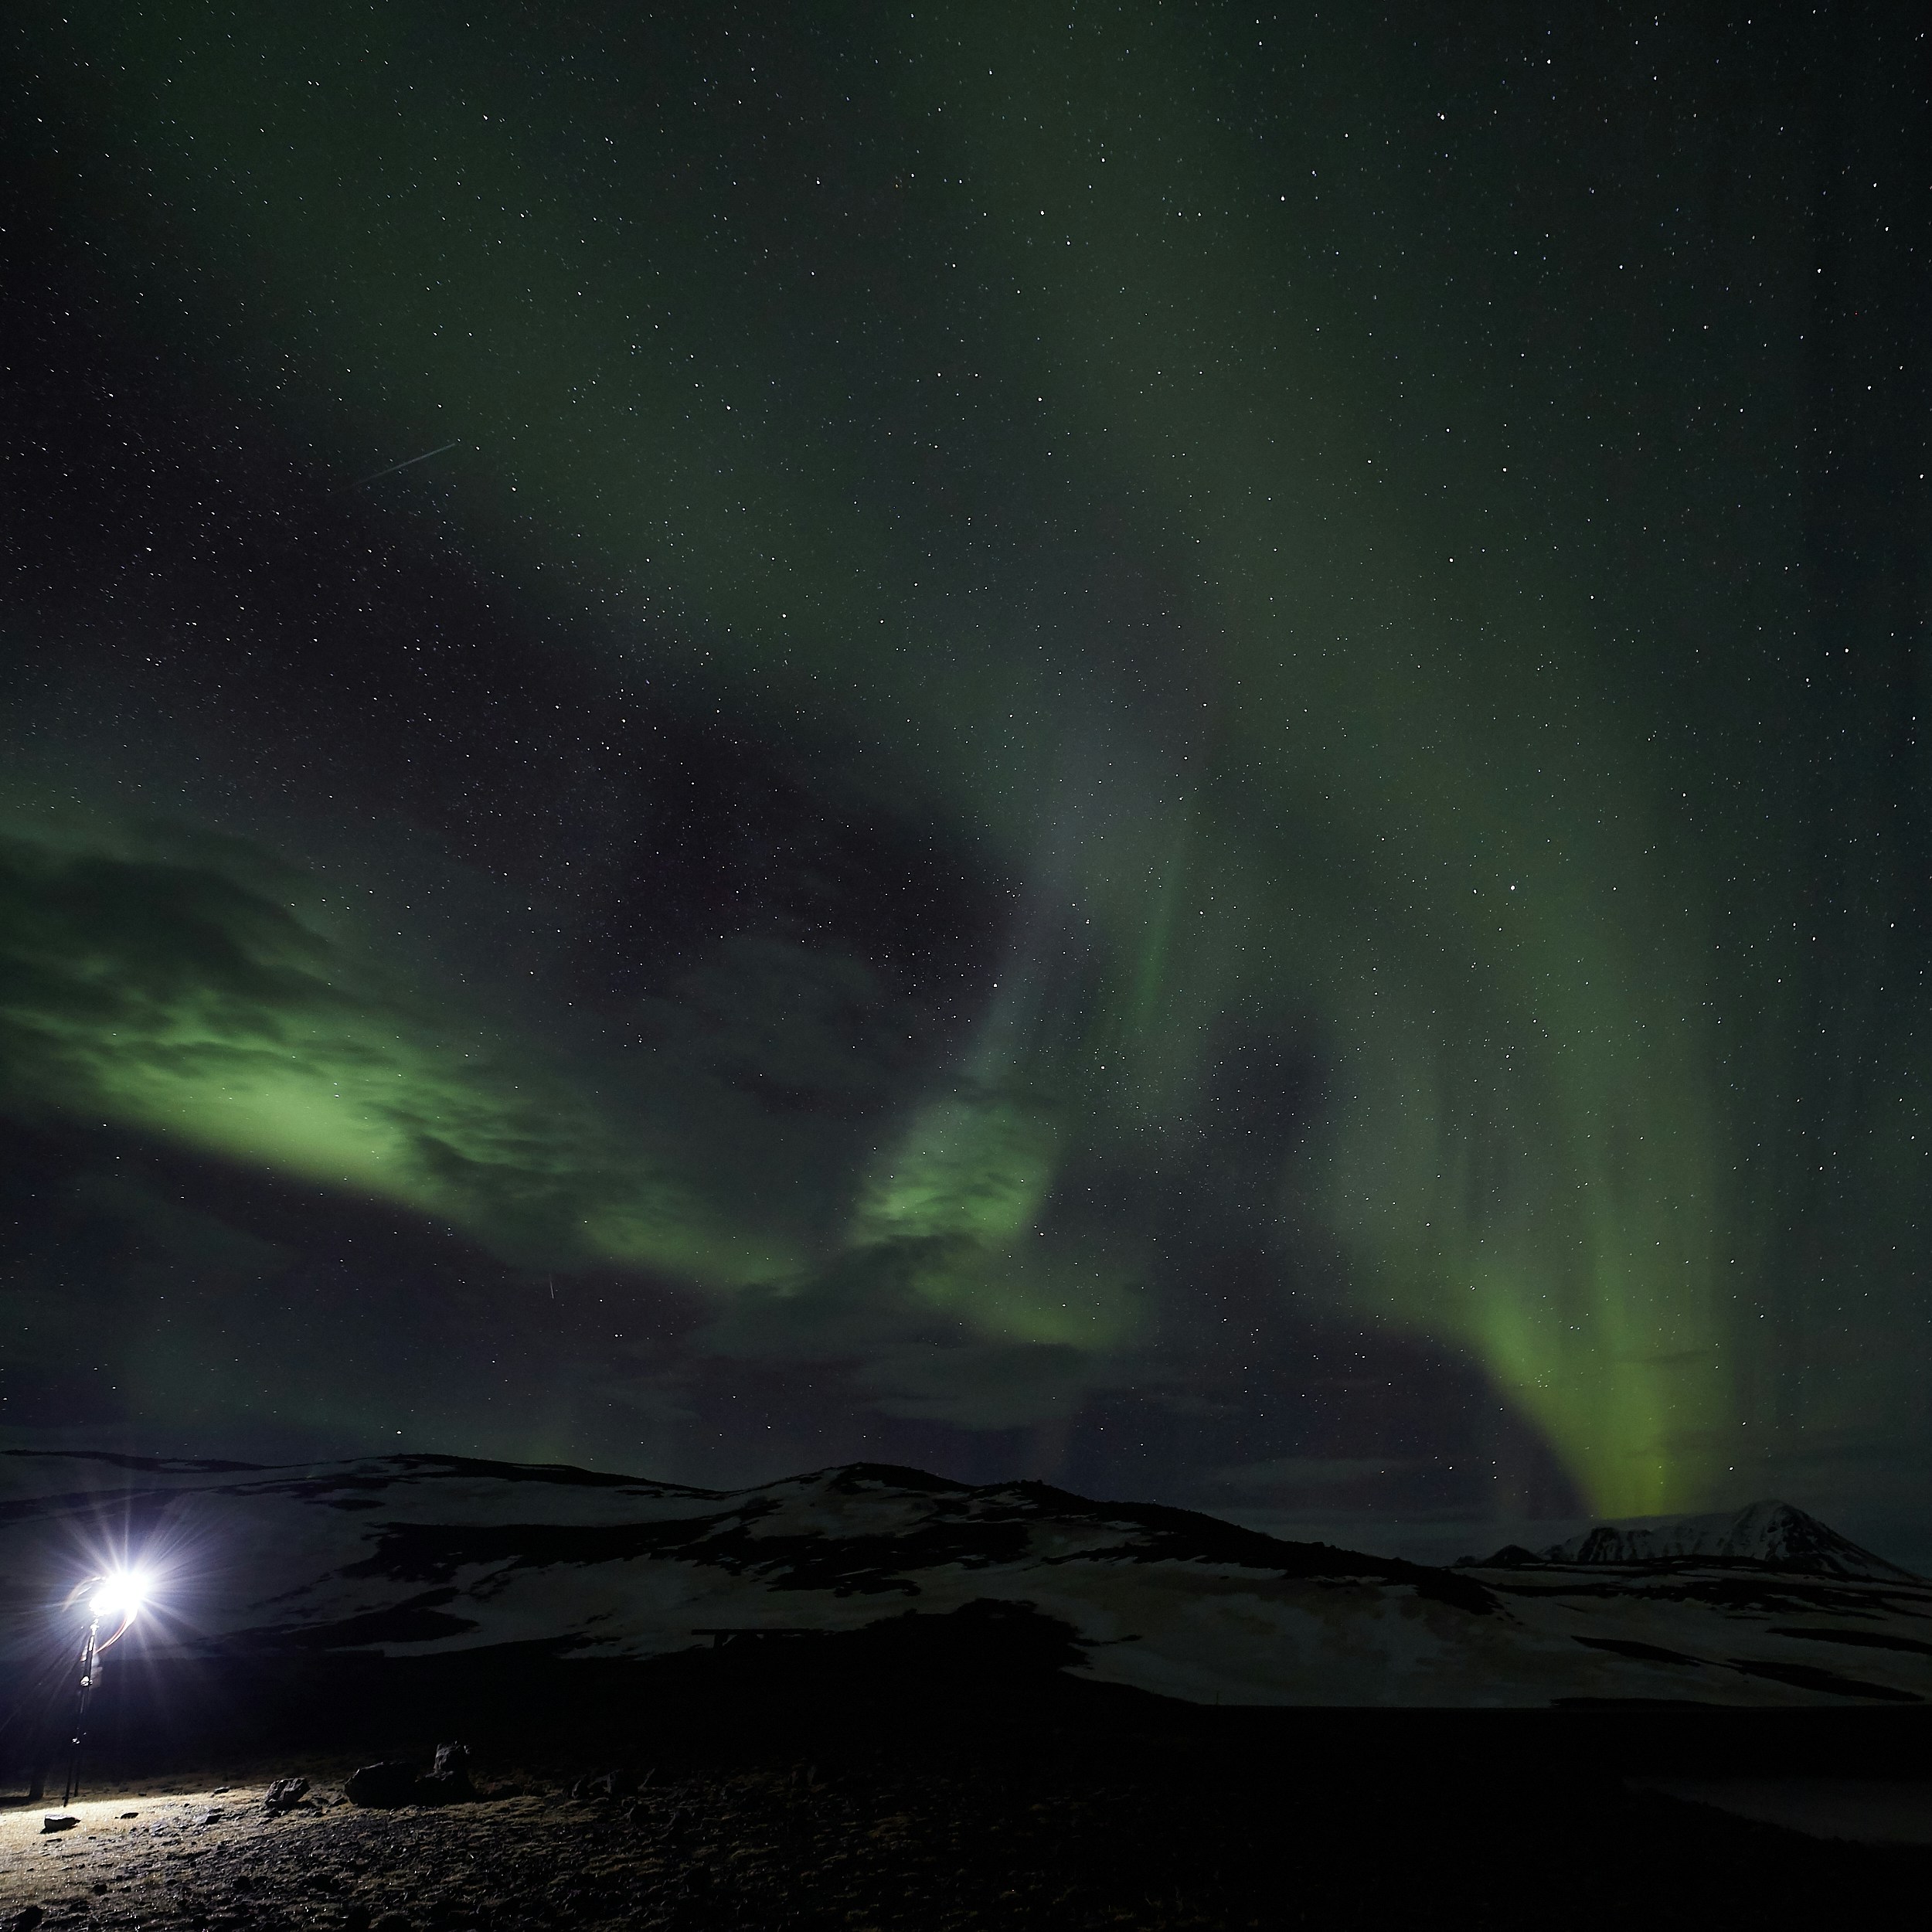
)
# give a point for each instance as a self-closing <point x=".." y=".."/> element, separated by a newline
<point x="1173" y="750"/>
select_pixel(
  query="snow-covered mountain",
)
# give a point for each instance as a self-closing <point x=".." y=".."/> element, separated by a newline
<point x="1776" y="1534"/>
<point x="420" y="1556"/>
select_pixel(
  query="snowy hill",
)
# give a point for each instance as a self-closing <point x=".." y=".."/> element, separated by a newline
<point x="426" y="1556"/>
<point x="1773" y="1533"/>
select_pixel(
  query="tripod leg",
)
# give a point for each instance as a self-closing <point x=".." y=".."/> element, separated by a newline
<point x="90" y="1669"/>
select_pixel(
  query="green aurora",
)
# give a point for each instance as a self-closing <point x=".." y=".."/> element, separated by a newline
<point x="1372" y="603"/>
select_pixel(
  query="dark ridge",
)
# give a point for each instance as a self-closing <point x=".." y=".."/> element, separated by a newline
<point x="564" y="1474"/>
<point x="567" y="1475"/>
<point x="162" y="1465"/>
<point x="1749" y="1586"/>
<point x="1629" y="1647"/>
<point x="1188" y="1535"/>
<point x="1639" y="1704"/>
<point x="847" y="1565"/>
<point x="420" y="1620"/>
<point x="1870" y="1639"/>
<point x="144" y="1507"/>
<point x="1809" y="1677"/>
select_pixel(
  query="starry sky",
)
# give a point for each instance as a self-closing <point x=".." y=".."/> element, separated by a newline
<point x="1172" y="749"/>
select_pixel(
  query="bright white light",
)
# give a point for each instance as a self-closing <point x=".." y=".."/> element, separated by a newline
<point x="120" y="1596"/>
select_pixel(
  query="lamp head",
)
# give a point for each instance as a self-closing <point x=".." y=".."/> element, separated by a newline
<point x="118" y="1595"/>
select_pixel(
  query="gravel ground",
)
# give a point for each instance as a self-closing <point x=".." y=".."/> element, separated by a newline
<point x="764" y="1849"/>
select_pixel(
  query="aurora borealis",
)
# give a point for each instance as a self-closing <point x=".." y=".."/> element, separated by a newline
<point x="1114" y="743"/>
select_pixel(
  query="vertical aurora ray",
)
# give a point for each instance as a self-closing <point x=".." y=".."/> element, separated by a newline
<point x="1527" y="1161"/>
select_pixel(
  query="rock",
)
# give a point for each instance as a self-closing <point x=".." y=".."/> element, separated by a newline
<point x="356" y="1919"/>
<point x="383" y="1786"/>
<point x="392" y="1922"/>
<point x="448" y="1781"/>
<point x="25" y="1918"/>
<point x="131" y="1814"/>
<point x="57" y="1821"/>
<point x="285" y="1794"/>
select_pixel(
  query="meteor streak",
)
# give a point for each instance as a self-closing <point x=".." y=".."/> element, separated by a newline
<point x="408" y="462"/>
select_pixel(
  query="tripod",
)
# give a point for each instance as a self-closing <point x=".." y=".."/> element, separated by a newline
<point x="88" y="1664"/>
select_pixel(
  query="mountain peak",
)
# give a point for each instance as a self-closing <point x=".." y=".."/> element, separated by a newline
<point x="1776" y="1534"/>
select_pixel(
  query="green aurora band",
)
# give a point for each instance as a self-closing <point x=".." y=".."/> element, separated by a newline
<point x="1376" y="751"/>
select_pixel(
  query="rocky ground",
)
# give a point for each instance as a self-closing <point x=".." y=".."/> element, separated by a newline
<point x="800" y="1848"/>
<point x="881" y="1844"/>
